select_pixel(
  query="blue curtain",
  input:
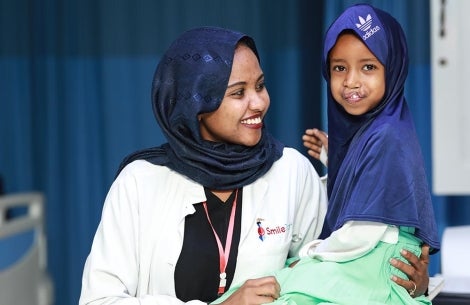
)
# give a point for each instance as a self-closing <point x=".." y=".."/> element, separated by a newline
<point x="75" y="82"/>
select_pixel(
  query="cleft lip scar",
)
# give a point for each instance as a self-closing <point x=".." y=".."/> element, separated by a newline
<point x="352" y="95"/>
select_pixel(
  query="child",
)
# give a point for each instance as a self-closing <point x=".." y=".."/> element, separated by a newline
<point x="379" y="202"/>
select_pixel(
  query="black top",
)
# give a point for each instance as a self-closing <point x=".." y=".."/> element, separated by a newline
<point x="197" y="272"/>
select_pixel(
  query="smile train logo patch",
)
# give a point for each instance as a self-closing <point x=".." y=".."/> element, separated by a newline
<point x="271" y="230"/>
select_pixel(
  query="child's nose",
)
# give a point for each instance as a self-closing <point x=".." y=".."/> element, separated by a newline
<point x="351" y="80"/>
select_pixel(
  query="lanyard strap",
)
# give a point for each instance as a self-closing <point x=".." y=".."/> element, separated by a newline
<point x="224" y="253"/>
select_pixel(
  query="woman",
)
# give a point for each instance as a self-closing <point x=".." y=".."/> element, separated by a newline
<point x="221" y="199"/>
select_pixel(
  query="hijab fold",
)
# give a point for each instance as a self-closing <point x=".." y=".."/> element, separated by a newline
<point x="191" y="79"/>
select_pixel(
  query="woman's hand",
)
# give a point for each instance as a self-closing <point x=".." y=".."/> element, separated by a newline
<point x="255" y="292"/>
<point x="416" y="270"/>
<point x="314" y="139"/>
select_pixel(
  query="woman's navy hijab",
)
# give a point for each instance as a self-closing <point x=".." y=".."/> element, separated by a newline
<point x="375" y="166"/>
<point x="191" y="79"/>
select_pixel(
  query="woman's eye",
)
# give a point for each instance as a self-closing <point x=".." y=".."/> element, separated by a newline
<point x="238" y="92"/>
<point x="260" y="86"/>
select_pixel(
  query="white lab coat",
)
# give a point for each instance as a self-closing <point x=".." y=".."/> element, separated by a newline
<point x="140" y="236"/>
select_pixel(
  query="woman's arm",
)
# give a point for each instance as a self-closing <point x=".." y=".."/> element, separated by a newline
<point x="114" y="272"/>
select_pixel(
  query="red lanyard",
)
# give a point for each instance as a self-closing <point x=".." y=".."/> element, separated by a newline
<point x="224" y="253"/>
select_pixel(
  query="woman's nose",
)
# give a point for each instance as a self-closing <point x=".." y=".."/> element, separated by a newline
<point x="259" y="101"/>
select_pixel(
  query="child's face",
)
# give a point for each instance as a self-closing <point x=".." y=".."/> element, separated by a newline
<point x="357" y="76"/>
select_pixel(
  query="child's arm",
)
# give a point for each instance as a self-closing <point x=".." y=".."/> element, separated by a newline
<point x="353" y="240"/>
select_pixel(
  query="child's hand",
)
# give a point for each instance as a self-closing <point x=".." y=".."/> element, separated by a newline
<point x="316" y="141"/>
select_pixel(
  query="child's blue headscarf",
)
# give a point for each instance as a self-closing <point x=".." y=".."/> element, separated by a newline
<point x="191" y="79"/>
<point x="376" y="170"/>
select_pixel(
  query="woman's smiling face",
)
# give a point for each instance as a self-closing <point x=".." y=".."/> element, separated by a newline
<point x="239" y="118"/>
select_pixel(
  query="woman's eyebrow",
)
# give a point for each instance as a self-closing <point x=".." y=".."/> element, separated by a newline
<point x="244" y="83"/>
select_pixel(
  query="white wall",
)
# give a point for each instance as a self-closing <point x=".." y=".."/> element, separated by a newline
<point x="450" y="56"/>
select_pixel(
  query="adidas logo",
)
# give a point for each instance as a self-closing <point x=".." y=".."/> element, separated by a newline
<point x="364" y="24"/>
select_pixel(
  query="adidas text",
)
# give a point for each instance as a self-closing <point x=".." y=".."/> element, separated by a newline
<point x="371" y="32"/>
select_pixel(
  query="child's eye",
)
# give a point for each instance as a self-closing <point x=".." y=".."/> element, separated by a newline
<point x="369" y="67"/>
<point x="338" y="68"/>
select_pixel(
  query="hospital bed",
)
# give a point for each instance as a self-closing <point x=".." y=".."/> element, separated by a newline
<point x="24" y="279"/>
